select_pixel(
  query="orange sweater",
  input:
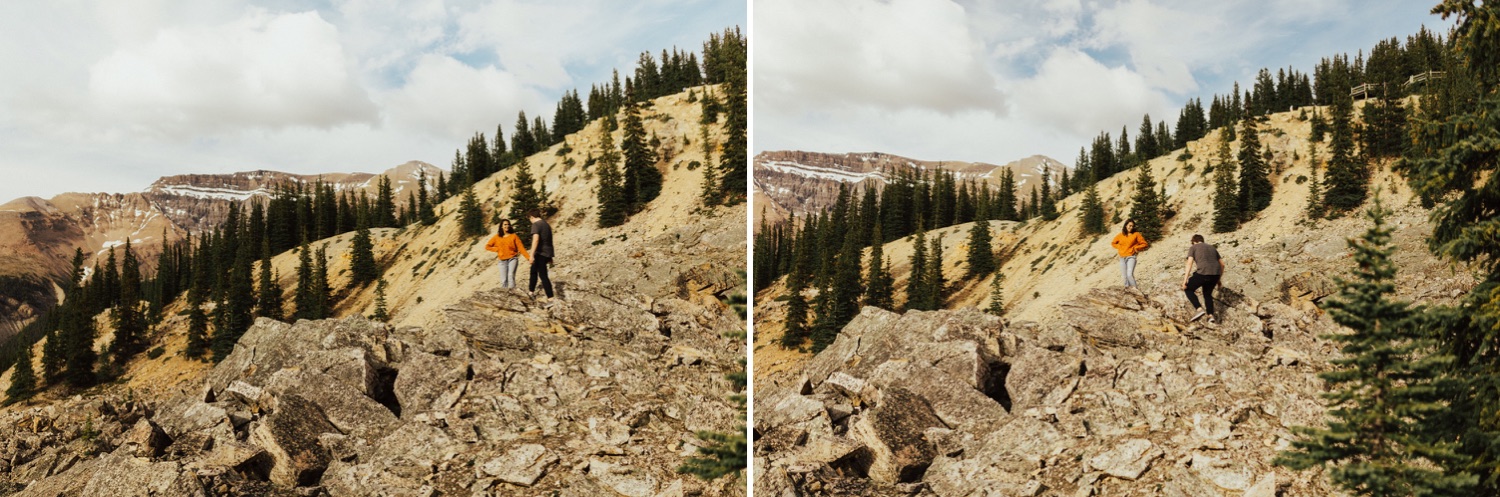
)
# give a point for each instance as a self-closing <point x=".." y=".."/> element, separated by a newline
<point x="1128" y="245"/>
<point x="507" y="246"/>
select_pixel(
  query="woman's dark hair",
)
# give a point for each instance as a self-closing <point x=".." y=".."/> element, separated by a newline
<point x="1127" y="227"/>
<point x="500" y="229"/>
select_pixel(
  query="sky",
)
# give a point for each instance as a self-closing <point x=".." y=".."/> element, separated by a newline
<point x="108" y="95"/>
<point x="996" y="81"/>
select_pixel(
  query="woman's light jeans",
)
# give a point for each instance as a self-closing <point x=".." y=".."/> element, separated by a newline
<point x="1127" y="267"/>
<point x="508" y="272"/>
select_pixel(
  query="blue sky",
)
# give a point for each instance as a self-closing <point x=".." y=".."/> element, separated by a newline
<point x="995" y="81"/>
<point x="108" y="95"/>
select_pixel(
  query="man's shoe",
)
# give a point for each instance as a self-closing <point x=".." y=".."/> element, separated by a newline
<point x="1213" y="320"/>
<point x="1200" y="315"/>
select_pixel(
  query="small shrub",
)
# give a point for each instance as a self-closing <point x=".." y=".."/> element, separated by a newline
<point x="156" y="352"/>
<point x="1184" y="156"/>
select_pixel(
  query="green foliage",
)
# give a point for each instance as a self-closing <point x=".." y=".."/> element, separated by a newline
<point x="1146" y="206"/>
<point x="981" y="255"/>
<point x="1346" y="182"/>
<point x="613" y="206"/>
<point x="380" y="311"/>
<point x="471" y="215"/>
<point x="130" y="324"/>
<point x="1387" y="390"/>
<point x="362" y="266"/>
<point x="268" y="301"/>
<point x="916" y="288"/>
<point x="1227" y="214"/>
<point x="1314" y="208"/>
<point x="1092" y="211"/>
<point x="524" y="197"/>
<point x="22" y="379"/>
<point x="197" y="335"/>
<point x="879" y="285"/>
<point x="795" y="330"/>
<point x="1255" y="182"/>
<point x="997" y="298"/>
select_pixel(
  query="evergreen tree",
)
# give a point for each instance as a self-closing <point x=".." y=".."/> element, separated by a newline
<point x="1006" y="197"/>
<point x="1453" y="158"/>
<point x="936" y="285"/>
<point x="471" y="214"/>
<point x="1092" y="211"/>
<point x="997" y="298"/>
<point x="268" y="300"/>
<point x="306" y="299"/>
<point x="1146" y="206"/>
<point x="916" y="286"/>
<point x="981" y="254"/>
<point x="613" y="206"/>
<point x="642" y="181"/>
<point x="1049" y="204"/>
<point x="424" y="204"/>
<point x="795" y="330"/>
<point x="1314" y="187"/>
<point x="523" y="198"/>
<point x="362" y="266"/>
<point x="130" y="324"/>
<point x="22" y="379"/>
<point x="235" y="313"/>
<point x="197" y="335"/>
<point x="78" y="332"/>
<point x="1227" y="213"/>
<point x="880" y="287"/>
<point x="1255" y="184"/>
<point x="322" y="290"/>
<point x="842" y="295"/>
<point x="1345" y="183"/>
<point x="380" y="310"/>
<point x="1387" y="395"/>
<point x="385" y="204"/>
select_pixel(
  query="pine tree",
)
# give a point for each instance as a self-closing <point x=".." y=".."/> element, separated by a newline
<point x="880" y="287"/>
<point x="322" y="291"/>
<point x="1092" y="211"/>
<point x="916" y="286"/>
<point x="936" y="291"/>
<point x="981" y="255"/>
<point x="523" y="198"/>
<point x="424" y="204"/>
<point x="385" y="204"/>
<point x="362" y="266"/>
<point x="1387" y="394"/>
<point x="642" y="181"/>
<point x="471" y="215"/>
<point x="78" y="331"/>
<point x="1049" y="204"/>
<point x="22" y="379"/>
<point x="1314" y="187"/>
<point x="1255" y="184"/>
<point x="306" y="299"/>
<point x="997" y="298"/>
<point x="795" y="330"/>
<point x="380" y="310"/>
<point x="197" y="335"/>
<point x="1227" y="214"/>
<point x="130" y="325"/>
<point x="1146" y="205"/>
<point x="1007" y="196"/>
<point x="843" y="294"/>
<point x="613" y="206"/>
<point x="1344" y="184"/>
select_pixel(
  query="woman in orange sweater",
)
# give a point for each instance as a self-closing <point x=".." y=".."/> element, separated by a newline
<point x="1128" y="243"/>
<point x="506" y="244"/>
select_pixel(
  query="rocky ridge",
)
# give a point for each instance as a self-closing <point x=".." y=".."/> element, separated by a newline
<point x="1124" y="397"/>
<point x="599" y="393"/>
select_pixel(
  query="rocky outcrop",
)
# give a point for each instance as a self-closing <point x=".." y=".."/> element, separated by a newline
<point x="1123" y="396"/>
<point x="593" y="395"/>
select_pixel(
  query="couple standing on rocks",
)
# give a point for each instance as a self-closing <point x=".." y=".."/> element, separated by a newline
<point x="1202" y="270"/>
<point x="506" y="245"/>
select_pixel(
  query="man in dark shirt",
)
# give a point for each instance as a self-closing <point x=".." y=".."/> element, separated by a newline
<point x="1204" y="267"/>
<point x="541" y="251"/>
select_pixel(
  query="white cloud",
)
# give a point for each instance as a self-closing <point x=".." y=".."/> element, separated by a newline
<point x="895" y="54"/>
<point x="263" y="70"/>
<point x="1075" y="93"/>
<point x="445" y="97"/>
